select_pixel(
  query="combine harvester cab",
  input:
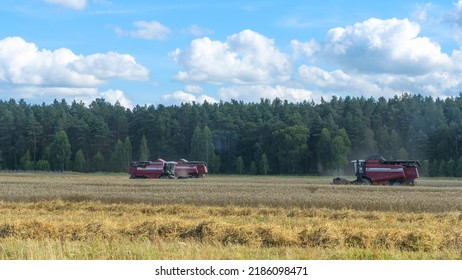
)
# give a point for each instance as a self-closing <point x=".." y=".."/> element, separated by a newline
<point x="159" y="169"/>
<point x="378" y="171"/>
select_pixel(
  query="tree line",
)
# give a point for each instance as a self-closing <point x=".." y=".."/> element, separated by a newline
<point x="266" y="137"/>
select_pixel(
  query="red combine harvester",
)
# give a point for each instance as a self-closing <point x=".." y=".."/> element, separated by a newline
<point x="188" y="169"/>
<point x="161" y="169"/>
<point x="378" y="171"/>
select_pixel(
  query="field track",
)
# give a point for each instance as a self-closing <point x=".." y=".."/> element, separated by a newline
<point x="271" y="191"/>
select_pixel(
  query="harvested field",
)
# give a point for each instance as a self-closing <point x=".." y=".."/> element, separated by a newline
<point x="271" y="191"/>
<point x="74" y="216"/>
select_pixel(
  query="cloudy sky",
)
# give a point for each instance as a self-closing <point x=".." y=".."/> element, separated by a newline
<point x="168" y="52"/>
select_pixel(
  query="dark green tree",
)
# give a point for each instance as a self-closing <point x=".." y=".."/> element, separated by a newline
<point x="458" y="169"/>
<point x="442" y="168"/>
<point x="26" y="161"/>
<point x="450" y="168"/>
<point x="291" y="147"/>
<point x="127" y="150"/>
<point x="197" y="144"/>
<point x="425" y="169"/>
<point x="434" y="168"/>
<point x="323" y="150"/>
<point x="97" y="162"/>
<point x="35" y="132"/>
<point x="253" y="168"/>
<point x="264" y="164"/>
<point x="239" y="165"/>
<point x="144" y="150"/>
<point x="59" y="151"/>
<point x="119" y="157"/>
<point x="209" y="148"/>
<point x="42" y="165"/>
<point x="402" y="154"/>
<point x="80" y="164"/>
<point x="340" y="147"/>
<point x="202" y="148"/>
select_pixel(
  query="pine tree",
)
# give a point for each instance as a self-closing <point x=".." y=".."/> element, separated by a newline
<point x="127" y="150"/>
<point x="118" y="157"/>
<point x="442" y="168"/>
<point x="80" y="164"/>
<point x="434" y="168"/>
<point x="264" y="164"/>
<point x="450" y="168"/>
<point x="59" y="151"/>
<point x="209" y="148"/>
<point x="340" y="147"/>
<point x="324" y="150"/>
<point x="239" y="165"/>
<point x="144" y="150"/>
<point x="97" y="162"/>
<point x="42" y="165"/>
<point x="197" y="145"/>
<point x="458" y="171"/>
<point x="26" y="162"/>
<point x="253" y="168"/>
<point x="425" y="168"/>
<point x="402" y="154"/>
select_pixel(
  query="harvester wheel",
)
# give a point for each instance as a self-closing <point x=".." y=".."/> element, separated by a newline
<point x="409" y="183"/>
<point x="394" y="183"/>
<point x="365" y="181"/>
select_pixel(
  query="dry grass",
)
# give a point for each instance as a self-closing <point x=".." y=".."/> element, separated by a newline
<point x="66" y="216"/>
<point x="303" y="192"/>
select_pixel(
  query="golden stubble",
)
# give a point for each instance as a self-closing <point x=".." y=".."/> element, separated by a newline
<point x="69" y="216"/>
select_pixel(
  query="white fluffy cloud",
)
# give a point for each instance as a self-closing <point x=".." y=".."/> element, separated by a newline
<point x="24" y="69"/>
<point x="152" y="30"/>
<point x="22" y="63"/>
<point x="186" y="97"/>
<point x="113" y="96"/>
<point x="256" y="92"/>
<point x="384" y="46"/>
<point x="375" y="57"/>
<point x="110" y="65"/>
<point x="306" y="49"/>
<point x="71" y="4"/>
<point x="190" y="93"/>
<point x="380" y="58"/>
<point x="244" y="58"/>
<point x="148" y="30"/>
<point x="197" y="30"/>
<point x="194" y="89"/>
<point x="338" y="82"/>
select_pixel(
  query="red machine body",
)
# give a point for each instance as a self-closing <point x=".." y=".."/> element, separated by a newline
<point x="378" y="171"/>
<point x="187" y="169"/>
<point x="161" y="169"/>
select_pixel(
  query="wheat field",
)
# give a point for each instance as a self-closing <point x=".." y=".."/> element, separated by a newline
<point x="76" y="216"/>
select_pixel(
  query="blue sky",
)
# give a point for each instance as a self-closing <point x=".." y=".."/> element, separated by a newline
<point x="169" y="52"/>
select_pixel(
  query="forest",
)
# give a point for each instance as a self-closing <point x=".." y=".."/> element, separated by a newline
<point x="268" y="137"/>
